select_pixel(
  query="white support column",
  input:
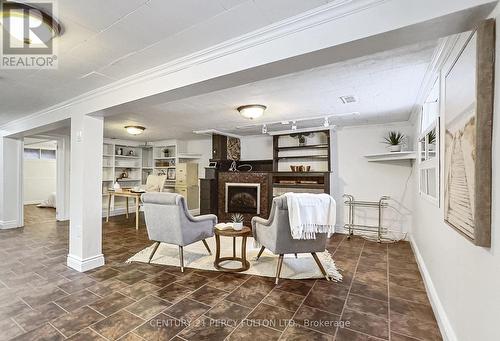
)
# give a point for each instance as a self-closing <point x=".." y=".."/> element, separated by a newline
<point x="11" y="183"/>
<point x="85" y="235"/>
<point x="63" y="160"/>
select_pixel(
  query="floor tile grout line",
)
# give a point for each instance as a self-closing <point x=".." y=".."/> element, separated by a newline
<point x="350" y="286"/>
<point x="22" y="329"/>
<point x="50" y="323"/>
<point x="295" y="313"/>
<point x="95" y="331"/>
<point x="250" y="313"/>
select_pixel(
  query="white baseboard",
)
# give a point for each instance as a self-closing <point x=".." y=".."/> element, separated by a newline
<point x="9" y="224"/>
<point x="442" y="319"/>
<point x="83" y="265"/>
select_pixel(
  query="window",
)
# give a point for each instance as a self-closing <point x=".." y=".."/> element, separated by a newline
<point x="39" y="154"/>
<point x="48" y="154"/>
<point x="428" y="147"/>
<point x="31" y="154"/>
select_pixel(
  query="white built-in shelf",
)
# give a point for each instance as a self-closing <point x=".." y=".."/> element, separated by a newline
<point x="188" y="156"/>
<point x="128" y="156"/>
<point x="147" y="167"/>
<point x="394" y="156"/>
<point x="165" y="158"/>
<point x="127" y="179"/>
<point x="107" y="155"/>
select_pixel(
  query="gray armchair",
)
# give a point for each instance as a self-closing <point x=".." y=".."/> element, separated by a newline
<point x="275" y="235"/>
<point x="169" y="221"/>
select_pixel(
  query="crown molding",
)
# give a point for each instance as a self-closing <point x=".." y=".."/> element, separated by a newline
<point x="439" y="58"/>
<point x="332" y="11"/>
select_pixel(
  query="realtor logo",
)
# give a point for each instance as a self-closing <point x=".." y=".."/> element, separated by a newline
<point x="28" y="30"/>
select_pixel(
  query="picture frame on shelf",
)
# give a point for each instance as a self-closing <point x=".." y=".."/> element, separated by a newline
<point x="171" y="174"/>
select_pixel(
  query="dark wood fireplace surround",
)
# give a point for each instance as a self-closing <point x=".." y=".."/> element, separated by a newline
<point x="213" y="186"/>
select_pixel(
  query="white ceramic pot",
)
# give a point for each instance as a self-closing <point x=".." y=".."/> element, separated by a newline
<point x="237" y="226"/>
<point x="394" y="148"/>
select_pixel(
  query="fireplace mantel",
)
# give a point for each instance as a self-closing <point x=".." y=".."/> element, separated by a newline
<point x="260" y="178"/>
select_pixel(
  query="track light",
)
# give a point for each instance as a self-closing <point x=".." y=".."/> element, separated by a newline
<point x="264" y="129"/>
<point x="294" y="125"/>
<point x="326" y="124"/>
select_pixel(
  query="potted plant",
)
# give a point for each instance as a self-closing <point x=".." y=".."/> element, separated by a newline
<point x="394" y="139"/>
<point x="431" y="140"/>
<point x="165" y="152"/>
<point x="238" y="220"/>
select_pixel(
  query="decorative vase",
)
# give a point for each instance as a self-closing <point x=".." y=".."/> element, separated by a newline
<point x="302" y="140"/>
<point x="237" y="226"/>
<point x="394" y="148"/>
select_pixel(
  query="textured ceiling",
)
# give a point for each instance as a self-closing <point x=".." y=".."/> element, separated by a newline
<point x="105" y="41"/>
<point x="385" y="86"/>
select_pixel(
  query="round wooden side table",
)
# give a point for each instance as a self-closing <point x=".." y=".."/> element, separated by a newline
<point x="243" y="233"/>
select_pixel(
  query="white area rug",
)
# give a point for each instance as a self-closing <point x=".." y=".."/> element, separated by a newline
<point x="196" y="256"/>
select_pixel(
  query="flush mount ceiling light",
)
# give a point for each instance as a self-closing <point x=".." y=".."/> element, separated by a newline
<point x="27" y="24"/>
<point x="252" y="111"/>
<point x="135" y="130"/>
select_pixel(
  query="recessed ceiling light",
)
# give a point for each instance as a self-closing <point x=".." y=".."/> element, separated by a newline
<point x="135" y="130"/>
<point x="252" y="111"/>
<point x="28" y="24"/>
<point x="348" y="99"/>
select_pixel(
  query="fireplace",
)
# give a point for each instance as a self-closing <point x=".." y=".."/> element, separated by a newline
<point x="243" y="198"/>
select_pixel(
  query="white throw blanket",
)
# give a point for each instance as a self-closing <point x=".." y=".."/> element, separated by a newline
<point x="310" y="214"/>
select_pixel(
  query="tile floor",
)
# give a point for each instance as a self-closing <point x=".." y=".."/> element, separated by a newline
<point x="382" y="296"/>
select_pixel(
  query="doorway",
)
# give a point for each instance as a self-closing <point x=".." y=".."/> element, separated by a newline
<point x="39" y="180"/>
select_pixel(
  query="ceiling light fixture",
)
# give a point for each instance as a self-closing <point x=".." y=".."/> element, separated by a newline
<point x="252" y="111"/>
<point x="264" y="129"/>
<point x="326" y="124"/>
<point x="294" y="125"/>
<point x="28" y="24"/>
<point x="135" y="130"/>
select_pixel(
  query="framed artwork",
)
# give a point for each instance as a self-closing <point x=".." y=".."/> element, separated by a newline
<point x="171" y="174"/>
<point x="233" y="148"/>
<point x="469" y="87"/>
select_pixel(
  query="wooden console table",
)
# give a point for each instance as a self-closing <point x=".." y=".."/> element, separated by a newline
<point x="244" y="233"/>
<point x="126" y="194"/>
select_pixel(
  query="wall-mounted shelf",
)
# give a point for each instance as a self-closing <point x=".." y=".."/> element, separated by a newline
<point x="188" y="156"/>
<point x="323" y="157"/>
<point x="313" y="146"/>
<point x="128" y="156"/>
<point x="392" y="156"/>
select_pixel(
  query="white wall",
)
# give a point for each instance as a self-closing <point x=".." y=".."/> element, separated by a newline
<point x="463" y="280"/>
<point x="39" y="180"/>
<point x="203" y="147"/>
<point x="353" y="174"/>
<point x="257" y="148"/>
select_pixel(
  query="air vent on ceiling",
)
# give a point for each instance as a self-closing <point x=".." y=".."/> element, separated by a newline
<point x="348" y="99"/>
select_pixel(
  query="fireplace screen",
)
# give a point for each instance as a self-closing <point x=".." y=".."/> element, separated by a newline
<point x="243" y="198"/>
